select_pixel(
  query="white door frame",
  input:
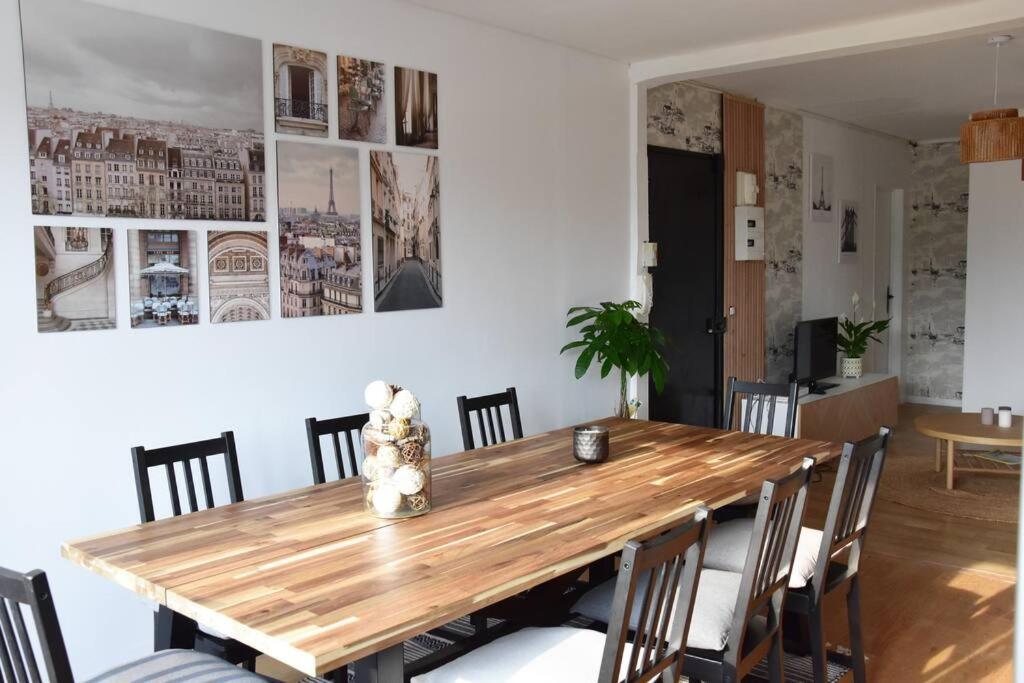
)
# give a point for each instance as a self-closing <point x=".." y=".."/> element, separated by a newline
<point x="897" y="212"/>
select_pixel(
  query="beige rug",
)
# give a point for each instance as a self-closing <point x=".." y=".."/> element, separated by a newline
<point x="910" y="479"/>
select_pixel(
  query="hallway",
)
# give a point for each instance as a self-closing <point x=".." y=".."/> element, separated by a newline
<point x="408" y="289"/>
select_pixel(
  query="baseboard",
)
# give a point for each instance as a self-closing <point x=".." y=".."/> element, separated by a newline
<point x="931" y="401"/>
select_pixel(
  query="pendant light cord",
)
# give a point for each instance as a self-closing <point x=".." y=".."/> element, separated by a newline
<point x="995" y="90"/>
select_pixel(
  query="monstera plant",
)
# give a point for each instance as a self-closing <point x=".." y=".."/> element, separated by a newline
<point x="612" y="335"/>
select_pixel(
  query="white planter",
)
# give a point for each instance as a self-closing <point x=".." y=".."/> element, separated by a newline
<point x="852" y="368"/>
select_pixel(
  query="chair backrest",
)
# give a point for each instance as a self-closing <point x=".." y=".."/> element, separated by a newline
<point x="853" y="496"/>
<point x="18" y="657"/>
<point x="490" y="406"/>
<point x="671" y="564"/>
<point x="348" y="465"/>
<point x="760" y="395"/>
<point x="186" y="454"/>
<point x="780" y="512"/>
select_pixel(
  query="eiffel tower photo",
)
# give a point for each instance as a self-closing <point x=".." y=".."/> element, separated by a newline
<point x="332" y="210"/>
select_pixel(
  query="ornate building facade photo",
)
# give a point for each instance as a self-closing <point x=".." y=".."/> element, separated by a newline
<point x="74" y="278"/>
<point x="239" y="277"/>
<point x="300" y="91"/>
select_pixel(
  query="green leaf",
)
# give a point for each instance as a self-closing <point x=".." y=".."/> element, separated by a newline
<point x="583" y="362"/>
<point x="606" y="367"/>
<point x="573" y="345"/>
<point x="580" y="318"/>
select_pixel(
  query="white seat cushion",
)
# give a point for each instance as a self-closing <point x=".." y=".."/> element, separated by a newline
<point x="729" y="541"/>
<point x="712" y="612"/>
<point x="179" y="665"/>
<point x="532" y="655"/>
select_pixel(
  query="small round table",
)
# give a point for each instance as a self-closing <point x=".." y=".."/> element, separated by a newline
<point x="954" y="428"/>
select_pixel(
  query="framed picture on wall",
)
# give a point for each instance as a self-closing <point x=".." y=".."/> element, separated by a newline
<point x="416" y="113"/>
<point x="300" y="91"/>
<point x="822" y="179"/>
<point x="849" y="230"/>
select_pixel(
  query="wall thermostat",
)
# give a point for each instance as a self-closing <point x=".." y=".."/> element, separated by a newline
<point x="749" y="233"/>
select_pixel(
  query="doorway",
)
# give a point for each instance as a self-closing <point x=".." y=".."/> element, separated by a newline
<point x="887" y="283"/>
<point x="685" y="221"/>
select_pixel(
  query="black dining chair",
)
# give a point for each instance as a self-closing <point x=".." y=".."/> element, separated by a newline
<point x="846" y="525"/>
<point x="20" y="654"/>
<point x="186" y="458"/>
<point x="652" y="600"/>
<point x="737" y="615"/>
<point x="347" y="427"/>
<point x="760" y="397"/>
<point x="489" y="408"/>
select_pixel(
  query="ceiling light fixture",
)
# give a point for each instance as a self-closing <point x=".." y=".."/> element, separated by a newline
<point x="996" y="134"/>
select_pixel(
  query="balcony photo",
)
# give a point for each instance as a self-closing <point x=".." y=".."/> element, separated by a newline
<point x="74" y="279"/>
<point x="300" y="91"/>
<point x="102" y="143"/>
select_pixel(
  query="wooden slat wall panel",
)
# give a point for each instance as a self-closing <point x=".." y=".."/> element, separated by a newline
<point x="744" y="285"/>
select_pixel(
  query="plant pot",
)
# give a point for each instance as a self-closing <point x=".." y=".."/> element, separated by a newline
<point x="853" y="368"/>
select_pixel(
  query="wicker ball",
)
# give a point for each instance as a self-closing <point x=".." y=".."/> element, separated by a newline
<point x="412" y="453"/>
<point x="385" y="498"/>
<point x="370" y="466"/>
<point x="409" y="479"/>
<point x="404" y="405"/>
<point x="388" y="456"/>
<point x="398" y="428"/>
<point x="379" y="418"/>
<point x="417" y="502"/>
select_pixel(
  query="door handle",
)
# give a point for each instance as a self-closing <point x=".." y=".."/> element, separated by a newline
<point x="888" y="299"/>
<point x="715" y="325"/>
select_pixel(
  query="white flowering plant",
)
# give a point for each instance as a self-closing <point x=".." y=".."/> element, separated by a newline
<point x="854" y="333"/>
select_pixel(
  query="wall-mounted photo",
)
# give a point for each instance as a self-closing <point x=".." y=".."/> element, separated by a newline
<point x="362" y="113"/>
<point x="415" y="108"/>
<point x="405" y="197"/>
<point x="319" y="225"/>
<point x="163" y="278"/>
<point x="849" y="219"/>
<point x="821" y="188"/>
<point x="131" y="115"/>
<point x="300" y="91"/>
<point x="239" y="277"/>
<point x="74" y="279"/>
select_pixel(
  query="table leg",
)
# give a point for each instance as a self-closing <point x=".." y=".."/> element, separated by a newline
<point x="386" y="666"/>
<point x="173" y="631"/>
<point x="950" y="450"/>
<point x="938" y="455"/>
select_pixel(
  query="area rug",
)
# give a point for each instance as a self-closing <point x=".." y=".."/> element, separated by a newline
<point x="910" y="479"/>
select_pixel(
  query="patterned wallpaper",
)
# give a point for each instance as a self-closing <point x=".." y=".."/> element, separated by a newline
<point x="935" y="273"/>
<point x="783" y="219"/>
<point x="684" y="116"/>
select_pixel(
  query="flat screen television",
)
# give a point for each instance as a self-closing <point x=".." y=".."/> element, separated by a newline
<point x="814" y="353"/>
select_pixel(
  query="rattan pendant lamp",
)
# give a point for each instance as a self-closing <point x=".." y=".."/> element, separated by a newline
<point x="996" y="134"/>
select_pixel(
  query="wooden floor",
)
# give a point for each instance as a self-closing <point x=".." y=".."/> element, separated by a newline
<point x="938" y="590"/>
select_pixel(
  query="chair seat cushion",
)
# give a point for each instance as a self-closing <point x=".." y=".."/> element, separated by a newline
<point x="729" y="541"/>
<point x="712" y="611"/>
<point x="532" y="655"/>
<point x="177" y="665"/>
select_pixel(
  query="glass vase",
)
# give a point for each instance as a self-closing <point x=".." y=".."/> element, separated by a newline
<point x="396" y="466"/>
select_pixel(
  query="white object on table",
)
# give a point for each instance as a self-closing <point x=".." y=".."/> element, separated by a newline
<point x="988" y="416"/>
<point x="1005" y="417"/>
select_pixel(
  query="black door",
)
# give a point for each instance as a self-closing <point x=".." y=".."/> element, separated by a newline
<point x="685" y="204"/>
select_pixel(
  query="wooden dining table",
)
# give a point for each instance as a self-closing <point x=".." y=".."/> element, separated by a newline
<point x="309" y="578"/>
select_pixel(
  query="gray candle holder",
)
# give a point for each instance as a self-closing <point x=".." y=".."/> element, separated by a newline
<point x="590" y="444"/>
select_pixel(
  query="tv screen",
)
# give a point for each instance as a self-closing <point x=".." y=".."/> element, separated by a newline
<point x="814" y="349"/>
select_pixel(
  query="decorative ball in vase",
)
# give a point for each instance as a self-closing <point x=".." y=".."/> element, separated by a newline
<point x="396" y="454"/>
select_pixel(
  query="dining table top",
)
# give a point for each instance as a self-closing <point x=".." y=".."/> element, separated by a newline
<point x="312" y="580"/>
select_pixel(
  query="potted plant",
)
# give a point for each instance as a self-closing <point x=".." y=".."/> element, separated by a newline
<point x="854" y="337"/>
<point x="614" y="336"/>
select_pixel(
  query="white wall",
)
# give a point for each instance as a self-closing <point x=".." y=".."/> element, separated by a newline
<point x="862" y="161"/>
<point x="535" y="218"/>
<point x="994" y="324"/>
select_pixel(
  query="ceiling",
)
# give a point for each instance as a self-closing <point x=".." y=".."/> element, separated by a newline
<point x="634" y="30"/>
<point x="920" y="93"/>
